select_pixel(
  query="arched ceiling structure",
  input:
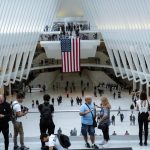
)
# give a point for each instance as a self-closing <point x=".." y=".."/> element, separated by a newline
<point x="21" y="22"/>
<point x="125" y="27"/>
<point x="124" y="24"/>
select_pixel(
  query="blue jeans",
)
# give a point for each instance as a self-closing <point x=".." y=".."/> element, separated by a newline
<point x="85" y="129"/>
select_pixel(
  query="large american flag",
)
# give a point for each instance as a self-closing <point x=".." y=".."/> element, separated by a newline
<point x="70" y="53"/>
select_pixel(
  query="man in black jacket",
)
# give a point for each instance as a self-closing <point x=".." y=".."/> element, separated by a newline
<point x="46" y="118"/>
<point x="5" y="114"/>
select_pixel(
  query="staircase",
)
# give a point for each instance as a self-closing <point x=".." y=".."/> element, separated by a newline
<point x="100" y="76"/>
<point x="75" y="78"/>
<point x="45" y="78"/>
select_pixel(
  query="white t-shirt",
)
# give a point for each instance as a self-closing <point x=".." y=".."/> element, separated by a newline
<point x="143" y="105"/>
<point x="17" y="108"/>
<point x="54" y="142"/>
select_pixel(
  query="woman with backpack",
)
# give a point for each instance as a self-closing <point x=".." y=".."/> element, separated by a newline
<point x="105" y="120"/>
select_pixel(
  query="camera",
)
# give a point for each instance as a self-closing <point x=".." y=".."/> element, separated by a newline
<point x="24" y="109"/>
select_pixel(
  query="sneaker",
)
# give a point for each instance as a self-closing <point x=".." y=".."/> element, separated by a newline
<point x="24" y="148"/>
<point x="95" y="146"/>
<point x="102" y="142"/>
<point x="87" y="145"/>
<point x="145" y="143"/>
<point x="16" y="148"/>
<point x="141" y="144"/>
<point x="106" y="145"/>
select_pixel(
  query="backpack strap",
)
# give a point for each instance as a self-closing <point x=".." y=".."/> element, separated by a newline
<point x="90" y="109"/>
<point x="12" y="106"/>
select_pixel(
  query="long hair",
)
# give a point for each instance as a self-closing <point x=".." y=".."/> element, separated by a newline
<point x="105" y="103"/>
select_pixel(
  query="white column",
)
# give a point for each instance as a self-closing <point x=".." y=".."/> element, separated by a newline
<point x="134" y="85"/>
<point x="147" y="89"/>
<point x="141" y="87"/>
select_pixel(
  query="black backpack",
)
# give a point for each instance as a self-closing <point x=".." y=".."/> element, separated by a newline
<point x="13" y="117"/>
<point x="46" y="112"/>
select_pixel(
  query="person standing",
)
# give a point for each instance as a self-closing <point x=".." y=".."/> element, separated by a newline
<point x="44" y="88"/>
<point x="105" y="113"/>
<point x="18" y="125"/>
<point x="133" y="119"/>
<point x="32" y="103"/>
<point x="121" y="117"/>
<point x="119" y="94"/>
<point x="114" y="94"/>
<point x="113" y="120"/>
<point x="71" y="101"/>
<point x="87" y="113"/>
<point x="143" y="117"/>
<point x="46" y="117"/>
<point x="53" y="101"/>
<point x="132" y="108"/>
<point x="80" y="101"/>
<point x="119" y="110"/>
<point x="5" y="114"/>
<point x="37" y="103"/>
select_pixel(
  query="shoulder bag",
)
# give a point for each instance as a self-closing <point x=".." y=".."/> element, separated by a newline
<point x="94" y="121"/>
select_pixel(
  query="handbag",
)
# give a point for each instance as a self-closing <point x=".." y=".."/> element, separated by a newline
<point x="94" y="121"/>
<point x="102" y="124"/>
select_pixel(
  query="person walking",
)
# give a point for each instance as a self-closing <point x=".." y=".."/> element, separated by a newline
<point x="18" y="123"/>
<point x="113" y="120"/>
<point x="46" y="118"/>
<point x="133" y="119"/>
<point x="71" y="101"/>
<point x="87" y="113"/>
<point x="119" y="110"/>
<point x="105" y="121"/>
<point x="53" y="101"/>
<point x="121" y="117"/>
<point x="114" y="94"/>
<point x="5" y="115"/>
<point x="32" y="103"/>
<point x="143" y="117"/>
<point x="132" y="108"/>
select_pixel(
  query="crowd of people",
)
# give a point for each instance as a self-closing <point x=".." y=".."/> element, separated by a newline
<point x="15" y="112"/>
<point x="88" y="114"/>
<point x="90" y="119"/>
<point x="57" y="37"/>
<point x="69" y="27"/>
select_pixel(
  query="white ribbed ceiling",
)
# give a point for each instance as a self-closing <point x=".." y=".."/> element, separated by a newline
<point x="21" y="22"/>
<point x="124" y="25"/>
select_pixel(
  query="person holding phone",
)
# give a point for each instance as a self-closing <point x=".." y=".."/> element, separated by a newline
<point x="87" y="112"/>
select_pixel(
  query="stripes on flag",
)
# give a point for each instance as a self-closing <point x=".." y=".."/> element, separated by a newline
<point x="70" y="52"/>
